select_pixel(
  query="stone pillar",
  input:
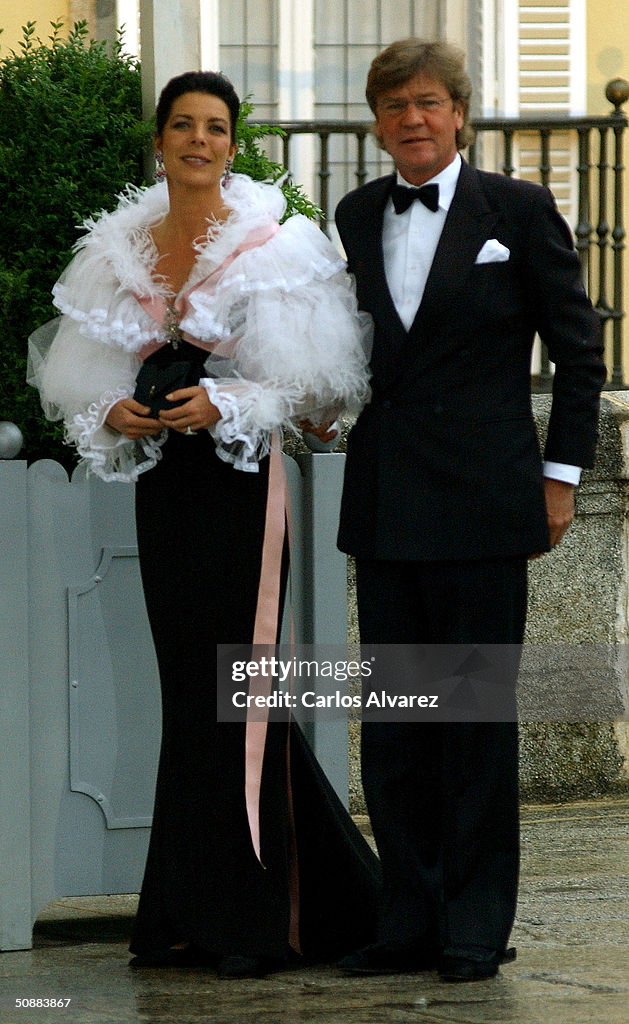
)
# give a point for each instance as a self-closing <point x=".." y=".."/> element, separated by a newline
<point x="453" y="15"/>
<point x="296" y="84"/>
<point x="175" y="38"/>
<point x="83" y="10"/>
<point x="128" y="21"/>
<point x="579" y="606"/>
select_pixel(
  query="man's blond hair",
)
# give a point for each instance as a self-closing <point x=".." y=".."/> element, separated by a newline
<point x="441" y="61"/>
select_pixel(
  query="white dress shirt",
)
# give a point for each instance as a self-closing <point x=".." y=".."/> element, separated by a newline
<point x="409" y="242"/>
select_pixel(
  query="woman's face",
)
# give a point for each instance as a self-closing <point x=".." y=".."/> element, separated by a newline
<point x="196" y="141"/>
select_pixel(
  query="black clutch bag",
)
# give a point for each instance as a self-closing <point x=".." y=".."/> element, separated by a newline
<point x="155" y="381"/>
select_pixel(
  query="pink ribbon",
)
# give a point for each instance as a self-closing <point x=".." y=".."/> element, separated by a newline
<point x="265" y="631"/>
<point x="265" y="634"/>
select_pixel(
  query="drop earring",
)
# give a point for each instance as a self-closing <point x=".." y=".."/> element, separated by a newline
<point x="227" y="176"/>
<point x="160" y="170"/>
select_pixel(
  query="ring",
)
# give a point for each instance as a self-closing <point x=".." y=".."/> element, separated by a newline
<point x="189" y="431"/>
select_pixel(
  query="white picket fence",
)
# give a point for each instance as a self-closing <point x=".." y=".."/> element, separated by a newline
<point x="79" y="694"/>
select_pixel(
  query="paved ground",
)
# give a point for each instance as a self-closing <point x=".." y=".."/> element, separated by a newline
<point x="572" y="935"/>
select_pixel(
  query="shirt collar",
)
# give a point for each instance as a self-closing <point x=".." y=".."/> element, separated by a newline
<point x="446" y="179"/>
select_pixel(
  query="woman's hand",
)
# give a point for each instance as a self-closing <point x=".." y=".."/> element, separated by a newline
<point x="130" y="418"/>
<point x="197" y="413"/>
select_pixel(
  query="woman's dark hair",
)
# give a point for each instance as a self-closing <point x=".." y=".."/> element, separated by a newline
<point x="211" y="82"/>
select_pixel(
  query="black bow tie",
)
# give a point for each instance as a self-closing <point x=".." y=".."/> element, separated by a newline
<point x="403" y="197"/>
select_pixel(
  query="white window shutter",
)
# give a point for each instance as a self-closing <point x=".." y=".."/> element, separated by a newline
<point x="547" y="78"/>
<point x="550" y="66"/>
<point x="543" y="72"/>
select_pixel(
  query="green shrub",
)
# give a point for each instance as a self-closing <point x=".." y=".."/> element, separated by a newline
<point x="252" y="160"/>
<point x="71" y="137"/>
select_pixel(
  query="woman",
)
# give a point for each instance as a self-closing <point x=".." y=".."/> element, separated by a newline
<point x="195" y="280"/>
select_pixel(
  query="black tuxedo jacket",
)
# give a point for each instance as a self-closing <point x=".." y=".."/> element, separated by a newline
<point x="444" y="462"/>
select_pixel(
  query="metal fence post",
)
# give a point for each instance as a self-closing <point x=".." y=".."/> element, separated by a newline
<point x="325" y="596"/>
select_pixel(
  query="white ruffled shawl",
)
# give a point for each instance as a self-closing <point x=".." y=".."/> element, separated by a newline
<point x="281" y="320"/>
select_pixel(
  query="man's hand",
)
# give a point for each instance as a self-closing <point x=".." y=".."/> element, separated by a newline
<point x="559" y="498"/>
<point x="322" y="431"/>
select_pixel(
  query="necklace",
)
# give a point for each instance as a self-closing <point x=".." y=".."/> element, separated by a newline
<point x="171" y="325"/>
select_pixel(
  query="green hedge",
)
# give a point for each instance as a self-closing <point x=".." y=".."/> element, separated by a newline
<point x="71" y="137"/>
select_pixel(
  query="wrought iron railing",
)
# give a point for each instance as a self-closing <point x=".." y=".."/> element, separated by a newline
<point x="599" y="166"/>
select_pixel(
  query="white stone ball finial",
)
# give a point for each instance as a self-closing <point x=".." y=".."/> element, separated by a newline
<point x="11" y="440"/>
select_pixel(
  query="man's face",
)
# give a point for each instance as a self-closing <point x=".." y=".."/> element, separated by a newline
<point x="417" y="124"/>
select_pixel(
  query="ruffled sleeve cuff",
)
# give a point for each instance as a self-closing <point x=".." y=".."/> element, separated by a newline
<point x="249" y="414"/>
<point x="107" y="453"/>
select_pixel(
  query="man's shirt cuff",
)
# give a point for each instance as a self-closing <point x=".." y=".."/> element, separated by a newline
<point x="560" y="471"/>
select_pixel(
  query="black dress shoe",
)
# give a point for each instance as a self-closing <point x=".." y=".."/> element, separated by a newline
<point x="244" y="966"/>
<point x="457" y="967"/>
<point x="188" y="956"/>
<point x="388" y="958"/>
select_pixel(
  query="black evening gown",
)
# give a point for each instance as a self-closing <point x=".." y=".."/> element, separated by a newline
<point x="200" y="529"/>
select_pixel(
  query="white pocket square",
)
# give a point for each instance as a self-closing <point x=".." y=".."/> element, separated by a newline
<point x="493" y="251"/>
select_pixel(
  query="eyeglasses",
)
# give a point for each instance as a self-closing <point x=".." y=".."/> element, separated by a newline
<point x="426" y="106"/>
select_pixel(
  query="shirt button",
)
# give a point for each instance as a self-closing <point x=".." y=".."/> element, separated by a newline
<point x="386" y="404"/>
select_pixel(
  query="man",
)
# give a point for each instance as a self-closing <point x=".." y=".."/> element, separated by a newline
<point x="445" y="497"/>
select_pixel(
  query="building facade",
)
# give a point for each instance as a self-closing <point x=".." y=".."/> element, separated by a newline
<point x="308" y="60"/>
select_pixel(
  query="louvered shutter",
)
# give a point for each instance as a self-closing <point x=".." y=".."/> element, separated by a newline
<point x="540" y="71"/>
<point x="545" y="71"/>
<point x="550" y="74"/>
